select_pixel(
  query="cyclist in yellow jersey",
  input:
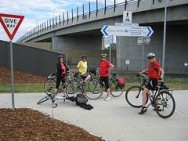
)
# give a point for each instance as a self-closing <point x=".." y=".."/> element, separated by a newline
<point x="82" y="68"/>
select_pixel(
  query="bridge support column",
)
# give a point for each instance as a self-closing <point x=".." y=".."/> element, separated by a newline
<point x="76" y="46"/>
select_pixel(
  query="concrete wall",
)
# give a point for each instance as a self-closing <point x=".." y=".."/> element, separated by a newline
<point x="76" y="46"/>
<point x="40" y="45"/>
<point x="82" y="42"/>
<point x="176" y="50"/>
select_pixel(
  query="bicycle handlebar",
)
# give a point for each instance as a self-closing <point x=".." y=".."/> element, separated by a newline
<point x="141" y="75"/>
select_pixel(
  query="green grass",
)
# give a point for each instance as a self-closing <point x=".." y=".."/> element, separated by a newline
<point x="177" y="83"/>
<point x="172" y="83"/>
<point x="22" y="88"/>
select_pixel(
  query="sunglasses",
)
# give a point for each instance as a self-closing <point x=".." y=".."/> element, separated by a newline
<point x="150" y="57"/>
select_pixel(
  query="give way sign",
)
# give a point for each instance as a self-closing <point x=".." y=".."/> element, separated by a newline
<point x="11" y="23"/>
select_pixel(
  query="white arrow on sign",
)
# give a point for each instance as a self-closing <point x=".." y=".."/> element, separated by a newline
<point x="132" y="31"/>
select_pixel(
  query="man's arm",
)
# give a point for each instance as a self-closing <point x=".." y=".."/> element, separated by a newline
<point x="78" y="66"/>
<point x="161" y="73"/>
<point x="110" y="67"/>
<point x="143" y="71"/>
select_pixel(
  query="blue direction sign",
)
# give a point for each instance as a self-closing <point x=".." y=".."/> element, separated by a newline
<point x="132" y="31"/>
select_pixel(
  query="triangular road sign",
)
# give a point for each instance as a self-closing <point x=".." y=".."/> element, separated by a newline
<point x="11" y="23"/>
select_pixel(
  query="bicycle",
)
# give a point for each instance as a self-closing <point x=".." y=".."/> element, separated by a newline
<point x="49" y="87"/>
<point x="98" y="86"/>
<point x="76" y="85"/>
<point x="161" y="99"/>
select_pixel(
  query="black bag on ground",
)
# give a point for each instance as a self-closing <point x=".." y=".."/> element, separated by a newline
<point x="81" y="101"/>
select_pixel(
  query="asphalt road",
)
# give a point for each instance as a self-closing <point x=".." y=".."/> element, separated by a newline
<point x="113" y="120"/>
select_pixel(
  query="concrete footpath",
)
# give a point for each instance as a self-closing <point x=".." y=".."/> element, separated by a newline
<point x="113" y="120"/>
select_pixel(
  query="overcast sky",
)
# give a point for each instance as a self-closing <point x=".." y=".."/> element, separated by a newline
<point x="38" y="11"/>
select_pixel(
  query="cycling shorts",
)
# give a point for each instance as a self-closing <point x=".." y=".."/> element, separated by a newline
<point x="106" y="81"/>
<point x="152" y="84"/>
<point x="84" y="75"/>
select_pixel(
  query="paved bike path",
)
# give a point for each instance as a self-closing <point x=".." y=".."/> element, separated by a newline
<point x="113" y="120"/>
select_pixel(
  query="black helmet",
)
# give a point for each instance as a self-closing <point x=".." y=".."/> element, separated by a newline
<point x="83" y="56"/>
<point x="61" y="56"/>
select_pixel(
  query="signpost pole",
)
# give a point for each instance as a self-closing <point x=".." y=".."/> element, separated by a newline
<point x="142" y="56"/>
<point x="12" y="74"/>
<point x="164" y="36"/>
<point x="110" y="54"/>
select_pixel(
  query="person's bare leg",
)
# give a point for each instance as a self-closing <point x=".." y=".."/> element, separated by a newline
<point x="144" y="97"/>
<point x="55" y="91"/>
<point x="108" y="95"/>
<point x="87" y="78"/>
<point x="108" y="92"/>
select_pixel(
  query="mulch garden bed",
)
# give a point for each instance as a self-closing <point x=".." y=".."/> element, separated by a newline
<point x="26" y="124"/>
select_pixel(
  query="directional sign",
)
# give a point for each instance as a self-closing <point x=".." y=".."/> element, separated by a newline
<point x="11" y="23"/>
<point x="132" y="31"/>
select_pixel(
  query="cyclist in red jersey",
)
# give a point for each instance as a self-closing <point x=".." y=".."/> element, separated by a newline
<point x="155" y="72"/>
<point x="104" y="71"/>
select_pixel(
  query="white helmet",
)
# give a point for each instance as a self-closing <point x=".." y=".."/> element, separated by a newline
<point x="150" y="55"/>
<point x="103" y="55"/>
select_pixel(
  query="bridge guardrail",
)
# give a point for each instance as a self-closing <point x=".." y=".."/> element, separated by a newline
<point x="50" y="25"/>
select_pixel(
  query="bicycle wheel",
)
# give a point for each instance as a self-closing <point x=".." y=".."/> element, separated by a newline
<point x="49" y="86"/>
<point x="115" y="90"/>
<point x="95" y="90"/>
<point x="133" y="96"/>
<point x="94" y="86"/>
<point x="43" y="99"/>
<point x="72" y="87"/>
<point x="165" y="104"/>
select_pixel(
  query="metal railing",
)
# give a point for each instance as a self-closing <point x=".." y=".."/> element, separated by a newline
<point x="61" y="20"/>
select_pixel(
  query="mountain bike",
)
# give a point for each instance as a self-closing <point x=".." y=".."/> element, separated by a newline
<point x="77" y="85"/>
<point x="161" y="99"/>
<point x="49" y="87"/>
<point x="97" y="87"/>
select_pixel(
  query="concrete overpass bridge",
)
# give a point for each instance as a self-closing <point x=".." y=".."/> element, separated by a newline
<point x="81" y="33"/>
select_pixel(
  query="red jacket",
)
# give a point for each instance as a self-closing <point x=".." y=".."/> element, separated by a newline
<point x="104" y="66"/>
<point x="153" y="70"/>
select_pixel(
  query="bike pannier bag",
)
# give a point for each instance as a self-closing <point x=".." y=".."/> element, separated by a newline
<point x="121" y="83"/>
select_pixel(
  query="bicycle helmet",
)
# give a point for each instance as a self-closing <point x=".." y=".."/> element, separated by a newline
<point x="150" y="55"/>
<point x="83" y="56"/>
<point x="61" y="56"/>
<point x="103" y="55"/>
